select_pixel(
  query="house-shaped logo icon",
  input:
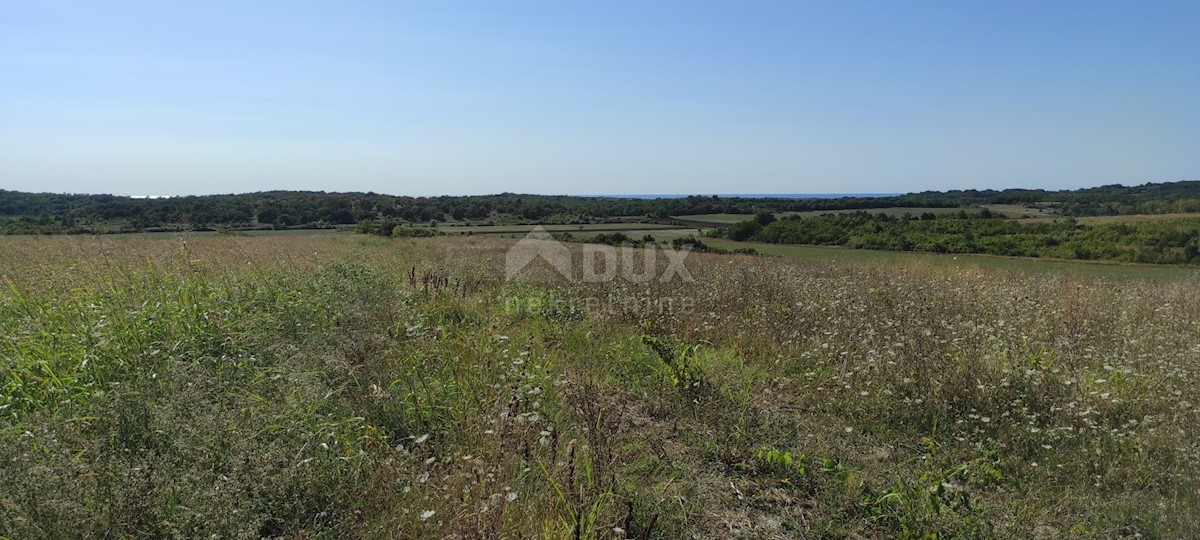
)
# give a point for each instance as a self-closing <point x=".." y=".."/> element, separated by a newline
<point x="537" y="244"/>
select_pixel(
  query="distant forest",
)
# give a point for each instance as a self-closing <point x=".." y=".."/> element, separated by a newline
<point x="49" y="213"/>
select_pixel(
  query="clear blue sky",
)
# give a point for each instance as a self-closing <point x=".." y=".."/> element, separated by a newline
<point x="164" y="97"/>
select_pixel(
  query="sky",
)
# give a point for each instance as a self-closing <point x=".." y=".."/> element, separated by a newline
<point x="612" y="97"/>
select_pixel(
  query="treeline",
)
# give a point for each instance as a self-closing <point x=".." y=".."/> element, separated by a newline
<point x="25" y="213"/>
<point x="1173" y="241"/>
<point x="1112" y="200"/>
<point x="22" y="212"/>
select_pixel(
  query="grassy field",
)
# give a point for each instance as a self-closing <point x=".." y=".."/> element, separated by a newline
<point x="896" y="211"/>
<point x="659" y="235"/>
<point x="1012" y="211"/>
<point x="1095" y="220"/>
<point x="338" y="386"/>
<point x="254" y="232"/>
<point x="727" y="219"/>
<point x="716" y="219"/>
<point x="574" y="229"/>
<point x="985" y="262"/>
<point x="1020" y="210"/>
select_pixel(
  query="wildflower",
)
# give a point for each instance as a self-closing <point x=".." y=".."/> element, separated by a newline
<point x="426" y="514"/>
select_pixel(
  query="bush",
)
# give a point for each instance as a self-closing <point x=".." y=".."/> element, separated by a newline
<point x="402" y="231"/>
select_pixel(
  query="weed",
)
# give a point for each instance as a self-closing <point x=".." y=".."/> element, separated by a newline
<point x="681" y="363"/>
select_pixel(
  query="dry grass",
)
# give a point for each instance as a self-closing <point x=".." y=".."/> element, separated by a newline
<point x="322" y="387"/>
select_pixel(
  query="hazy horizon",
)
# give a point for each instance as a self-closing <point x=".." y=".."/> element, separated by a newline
<point x="145" y="98"/>
<point x="749" y="195"/>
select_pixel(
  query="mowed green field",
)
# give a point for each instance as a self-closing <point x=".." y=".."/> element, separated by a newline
<point x="590" y="227"/>
<point x="1097" y="220"/>
<point x="1010" y="210"/>
<point x="726" y="219"/>
<point x="248" y="232"/>
<point x="660" y="235"/>
<point x="1021" y="264"/>
<point x="896" y="211"/>
<point x="716" y="219"/>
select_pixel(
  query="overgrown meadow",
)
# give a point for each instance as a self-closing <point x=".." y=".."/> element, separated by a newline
<point x="338" y="386"/>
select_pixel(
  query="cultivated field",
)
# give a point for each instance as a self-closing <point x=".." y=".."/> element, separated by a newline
<point x="340" y="386"/>
<point x="1010" y="210"/>
<point x="1026" y="265"/>
<point x="728" y="219"/>
<point x="1096" y="220"/>
<point x="716" y="219"/>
